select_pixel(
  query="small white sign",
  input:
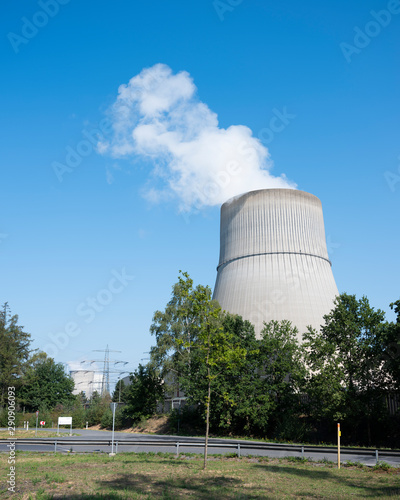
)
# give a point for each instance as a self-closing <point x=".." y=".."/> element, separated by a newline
<point x="64" y="420"/>
<point x="42" y="422"/>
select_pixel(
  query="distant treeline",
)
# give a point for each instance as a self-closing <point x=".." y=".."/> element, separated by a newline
<point x="349" y="372"/>
<point x="272" y="387"/>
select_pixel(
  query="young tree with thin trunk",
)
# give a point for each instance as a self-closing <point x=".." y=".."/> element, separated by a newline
<point x="192" y="327"/>
<point x="213" y="344"/>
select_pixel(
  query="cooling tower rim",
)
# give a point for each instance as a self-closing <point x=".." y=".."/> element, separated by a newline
<point x="295" y="192"/>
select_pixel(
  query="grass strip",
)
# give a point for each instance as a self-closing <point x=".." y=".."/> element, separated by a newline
<point x="166" y="476"/>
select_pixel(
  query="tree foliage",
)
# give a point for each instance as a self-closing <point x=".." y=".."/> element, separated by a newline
<point x="213" y="344"/>
<point x="78" y="413"/>
<point x="346" y="379"/>
<point x="190" y="330"/>
<point x="283" y="372"/>
<point x="273" y="386"/>
<point x="237" y="384"/>
<point x="119" y="394"/>
<point x="236" y="400"/>
<point x="240" y="384"/>
<point x="45" y="384"/>
<point x="388" y="345"/>
<point x="98" y="406"/>
<point x="14" y="352"/>
<point x="175" y="333"/>
<point x="143" y="393"/>
<point x="259" y="395"/>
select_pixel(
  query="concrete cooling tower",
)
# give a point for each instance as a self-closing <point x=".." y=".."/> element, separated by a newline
<point x="273" y="262"/>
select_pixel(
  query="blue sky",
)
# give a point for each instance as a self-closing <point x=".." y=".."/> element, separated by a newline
<point x="64" y="242"/>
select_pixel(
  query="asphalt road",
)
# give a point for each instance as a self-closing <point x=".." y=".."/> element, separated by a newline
<point x="142" y="443"/>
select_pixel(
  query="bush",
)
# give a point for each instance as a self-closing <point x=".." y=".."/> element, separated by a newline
<point x="290" y="428"/>
<point x="98" y="406"/>
<point x="382" y="466"/>
<point x="189" y="418"/>
<point x="107" y="419"/>
<point x="44" y="414"/>
<point x="141" y="421"/>
<point x="357" y="464"/>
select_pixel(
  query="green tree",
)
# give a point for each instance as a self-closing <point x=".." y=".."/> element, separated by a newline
<point x="213" y="345"/>
<point x="46" y="384"/>
<point x="120" y="392"/>
<point x="78" y="411"/>
<point x="283" y="372"/>
<point x="346" y="380"/>
<point x="175" y="333"/>
<point x="193" y="345"/>
<point x="98" y="405"/>
<point x="143" y="393"/>
<point x="107" y="419"/>
<point x="237" y="402"/>
<point x="259" y="394"/>
<point x="388" y="350"/>
<point x="14" y="353"/>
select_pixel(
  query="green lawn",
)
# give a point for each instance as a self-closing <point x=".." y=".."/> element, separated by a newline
<point x="23" y="434"/>
<point x="148" y="476"/>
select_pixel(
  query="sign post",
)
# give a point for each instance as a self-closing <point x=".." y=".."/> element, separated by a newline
<point x="64" y="421"/>
<point x="37" y="416"/>
<point x="338" y="445"/>
<point x="113" y="407"/>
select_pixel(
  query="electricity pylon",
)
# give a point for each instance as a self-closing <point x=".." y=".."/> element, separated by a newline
<point x="105" y="383"/>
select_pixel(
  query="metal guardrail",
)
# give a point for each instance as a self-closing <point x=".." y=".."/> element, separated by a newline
<point x="239" y="446"/>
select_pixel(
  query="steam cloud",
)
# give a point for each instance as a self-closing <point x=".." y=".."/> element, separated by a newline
<point x="158" y="115"/>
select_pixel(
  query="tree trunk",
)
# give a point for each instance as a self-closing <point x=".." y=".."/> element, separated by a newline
<point x="207" y="419"/>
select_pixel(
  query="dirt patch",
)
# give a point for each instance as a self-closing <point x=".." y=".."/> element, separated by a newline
<point x="153" y="425"/>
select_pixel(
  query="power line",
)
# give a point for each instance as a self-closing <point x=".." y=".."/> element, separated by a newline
<point x="105" y="383"/>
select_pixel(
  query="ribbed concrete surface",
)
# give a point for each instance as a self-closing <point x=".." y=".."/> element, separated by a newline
<point x="273" y="259"/>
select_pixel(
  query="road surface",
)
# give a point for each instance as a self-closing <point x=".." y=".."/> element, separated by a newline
<point x="100" y="441"/>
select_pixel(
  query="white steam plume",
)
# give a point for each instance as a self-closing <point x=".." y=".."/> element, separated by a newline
<point x="158" y="115"/>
